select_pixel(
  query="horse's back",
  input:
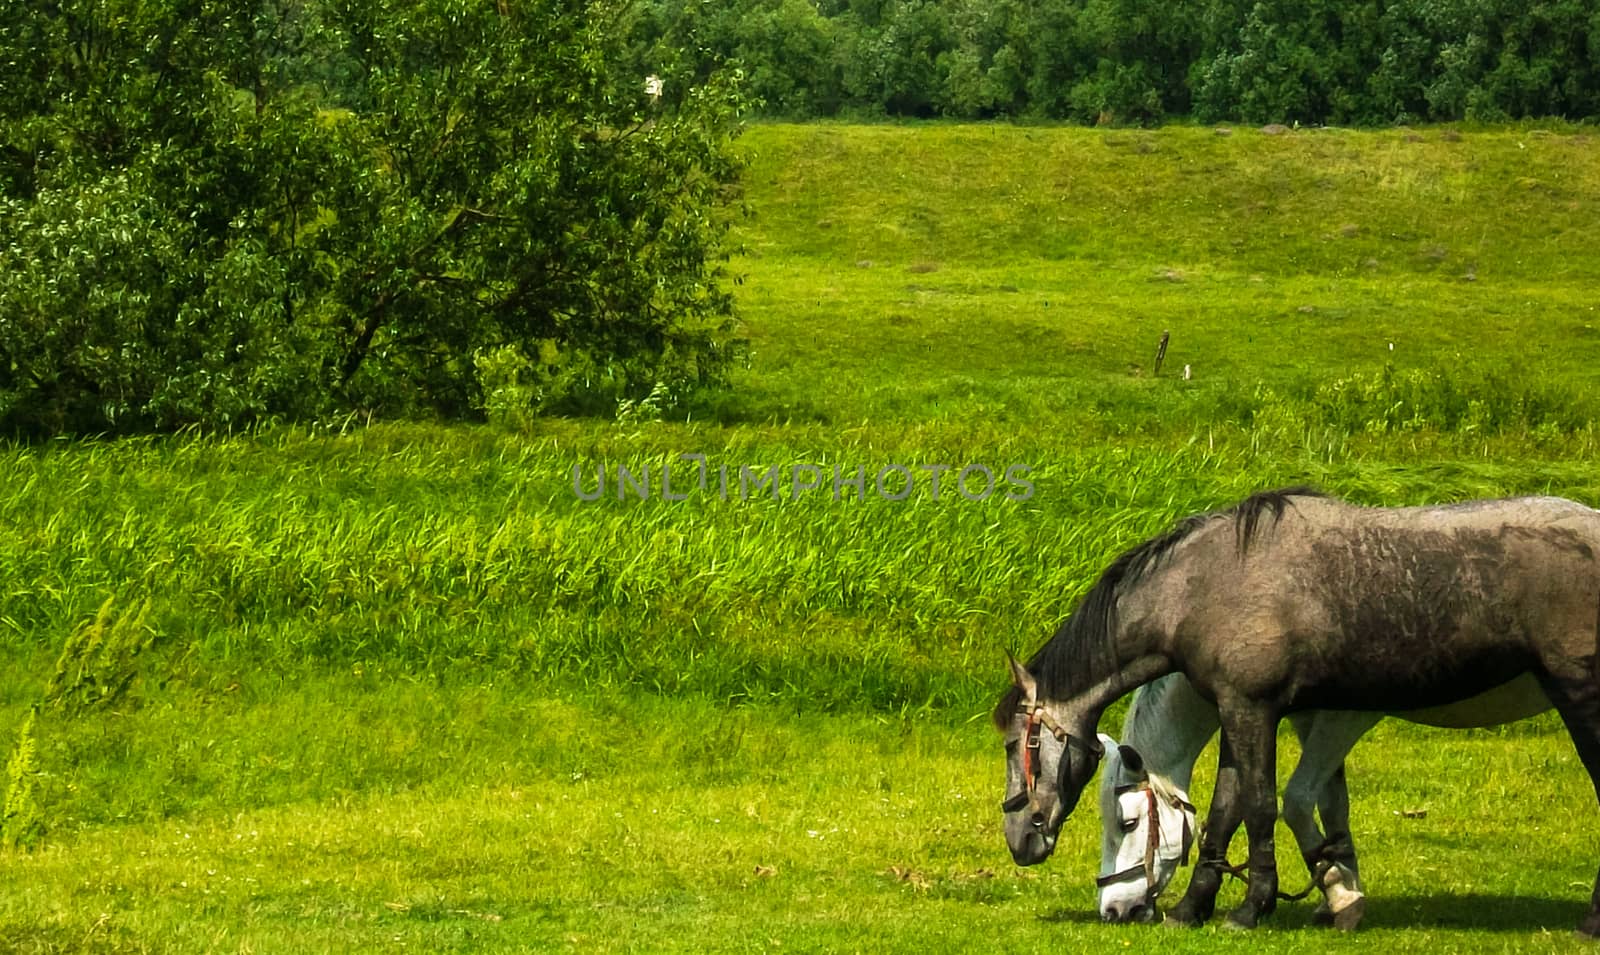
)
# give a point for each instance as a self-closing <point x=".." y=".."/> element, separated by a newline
<point x="1335" y="605"/>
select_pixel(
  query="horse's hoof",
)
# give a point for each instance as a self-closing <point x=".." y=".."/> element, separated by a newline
<point x="1323" y="916"/>
<point x="1589" y="928"/>
<point x="1242" y="918"/>
<point x="1177" y="919"/>
<point x="1347" y="918"/>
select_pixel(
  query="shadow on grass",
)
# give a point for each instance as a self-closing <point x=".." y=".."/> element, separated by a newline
<point x="1489" y="912"/>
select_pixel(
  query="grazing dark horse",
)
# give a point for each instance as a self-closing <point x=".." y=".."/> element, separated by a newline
<point x="1292" y="601"/>
<point x="1143" y="783"/>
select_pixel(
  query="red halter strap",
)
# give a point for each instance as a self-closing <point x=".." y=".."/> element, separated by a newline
<point x="1038" y="716"/>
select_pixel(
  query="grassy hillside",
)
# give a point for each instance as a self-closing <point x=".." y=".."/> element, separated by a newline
<point x="928" y="272"/>
<point x="409" y="689"/>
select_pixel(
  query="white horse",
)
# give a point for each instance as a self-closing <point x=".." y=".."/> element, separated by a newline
<point x="1147" y="820"/>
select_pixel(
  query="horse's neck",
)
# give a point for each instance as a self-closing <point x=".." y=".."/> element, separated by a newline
<point x="1169" y="724"/>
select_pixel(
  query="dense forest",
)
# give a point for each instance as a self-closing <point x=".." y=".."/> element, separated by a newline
<point x="1364" y="62"/>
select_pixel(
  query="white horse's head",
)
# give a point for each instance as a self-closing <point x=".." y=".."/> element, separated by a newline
<point x="1147" y="826"/>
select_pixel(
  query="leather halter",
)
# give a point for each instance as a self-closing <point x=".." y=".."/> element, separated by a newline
<point x="1153" y="842"/>
<point x="1038" y="716"/>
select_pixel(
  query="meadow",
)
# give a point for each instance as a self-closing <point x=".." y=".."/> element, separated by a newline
<point x="408" y="690"/>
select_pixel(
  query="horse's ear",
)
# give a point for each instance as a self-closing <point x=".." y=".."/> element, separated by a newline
<point x="1131" y="760"/>
<point x="1022" y="678"/>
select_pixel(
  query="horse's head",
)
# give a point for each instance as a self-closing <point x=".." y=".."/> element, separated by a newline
<point x="1047" y="768"/>
<point x="1148" y="827"/>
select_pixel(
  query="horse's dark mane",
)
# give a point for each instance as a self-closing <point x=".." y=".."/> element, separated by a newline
<point x="1082" y="644"/>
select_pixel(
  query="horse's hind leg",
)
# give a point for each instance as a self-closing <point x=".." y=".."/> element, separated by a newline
<point x="1318" y="781"/>
<point x="1578" y="702"/>
<point x="1333" y="864"/>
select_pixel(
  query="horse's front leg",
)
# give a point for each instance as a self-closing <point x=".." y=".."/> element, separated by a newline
<point x="1222" y="820"/>
<point x="1251" y="727"/>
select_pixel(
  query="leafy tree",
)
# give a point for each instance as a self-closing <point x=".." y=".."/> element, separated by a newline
<point x="896" y="66"/>
<point x="1060" y="57"/>
<point x="1545" y="65"/>
<point x="217" y="211"/>
<point x="1287" y="63"/>
<point x="789" y="49"/>
<point x="1406" y="63"/>
<point x="984" y="74"/>
<point x="1142" y="50"/>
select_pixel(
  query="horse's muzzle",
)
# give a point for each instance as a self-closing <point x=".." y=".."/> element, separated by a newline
<point x="1033" y="848"/>
<point x="1134" y="911"/>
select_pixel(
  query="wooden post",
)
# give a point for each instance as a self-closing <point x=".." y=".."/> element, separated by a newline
<point x="1161" y="351"/>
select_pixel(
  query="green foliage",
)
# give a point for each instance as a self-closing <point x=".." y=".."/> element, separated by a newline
<point x="1284" y="67"/>
<point x="1141" y="50"/>
<point x="1416" y="401"/>
<point x="283" y="208"/>
<point x="1136" y="62"/>
<point x="22" y="822"/>
<point x="99" y="661"/>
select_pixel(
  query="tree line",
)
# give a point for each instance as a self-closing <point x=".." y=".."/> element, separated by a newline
<point x="1340" y="62"/>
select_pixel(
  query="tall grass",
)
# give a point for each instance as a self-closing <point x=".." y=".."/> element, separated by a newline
<point x="433" y="549"/>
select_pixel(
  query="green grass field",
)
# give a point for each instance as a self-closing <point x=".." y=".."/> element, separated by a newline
<point x="409" y="692"/>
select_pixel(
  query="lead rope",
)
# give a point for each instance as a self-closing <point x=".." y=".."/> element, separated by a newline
<point x="1242" y="873"/>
